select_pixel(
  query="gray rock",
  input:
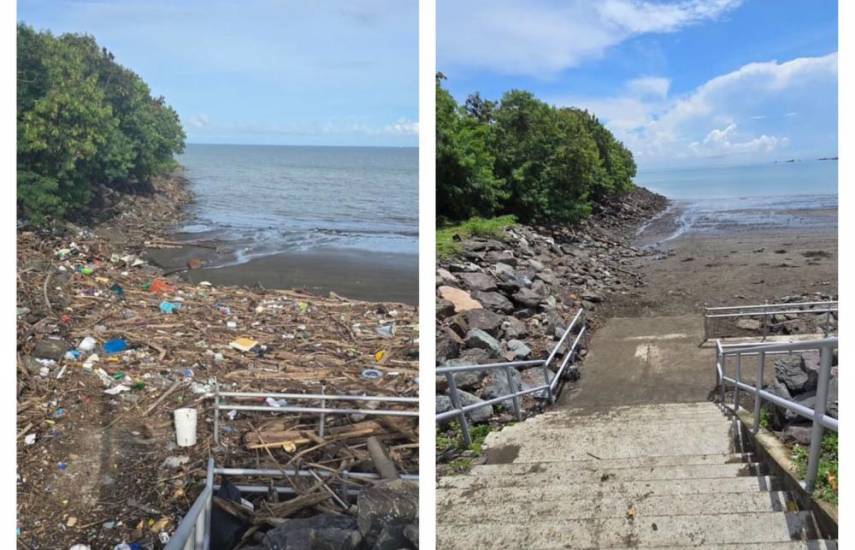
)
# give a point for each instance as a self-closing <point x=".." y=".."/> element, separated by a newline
<point x="476" y="356"/>
<point x="797" y="434"/>
<point x="322" y="532"/>
<point x="749" y="324"/>
<point x="592" y="297"/>
<point x="477" y="415"/>
<point x="478" y="281"/>
<point x="505" y="272"/>
<point x="498" y="386"/>
<point x="384" y="511"/>
<point x="477" y="338"/>
<point x="535" y="265"/>
<point x="484" y="319"/>
<point x="444" y="308"/>
<point x="531" y="378"/>
<point x="445" y="277"/>
<point x="547" y="277"/>
<point x="527" y="298"/>
<point x="494" y="301"/>
<point x="514" y="328"/>
<point x="792" y="372"/>
<point x="465" y="380"/>
<point x="50" y="348"/>
<point x="501" y="256"/>
<point x="519" y="350"/>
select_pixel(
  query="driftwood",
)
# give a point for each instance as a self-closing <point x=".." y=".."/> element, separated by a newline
<point x="385" y="467"/>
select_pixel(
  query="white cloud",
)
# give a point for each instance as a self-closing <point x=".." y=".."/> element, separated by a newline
<point x="720" y="117"/>
<point x="542" y="37"/>
<point x="403" y="127"/>
<point x="649" y="86"/>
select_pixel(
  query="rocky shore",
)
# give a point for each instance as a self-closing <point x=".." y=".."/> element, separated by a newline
<point x="510" y="298"/>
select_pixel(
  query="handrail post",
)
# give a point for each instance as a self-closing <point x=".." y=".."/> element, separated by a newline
<point x="761" y="358"/>
<point x="516" y="399"/>
<point x="722" y="361"/>
<point x="738" y="380"/>
<point x="817" y="430"/>
<point x="216" y="413"/>
<point x="455" y="402"/>
<point x="765" y="323"/>
<point x="322" y="421"/>
<point x="209" y="482"/>
<point x="549" y="395"/>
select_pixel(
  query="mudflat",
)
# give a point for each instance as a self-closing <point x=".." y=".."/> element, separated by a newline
<point x="730" y="266"/>
<point x="359" y="275"/>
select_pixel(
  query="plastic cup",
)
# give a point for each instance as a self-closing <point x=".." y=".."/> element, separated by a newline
<point x="185" y="427"/>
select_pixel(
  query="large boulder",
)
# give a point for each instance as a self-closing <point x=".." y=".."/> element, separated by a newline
<point x="518" y="350"/>
<point x="498" y="386"/>
<point x="514" y="328"/>
<point x="484" y="319"/>
<point x="477" y="415"/>
<point x="477" y="338"/>
<point x="791" y="371"/>
<point x="466" y="380"/>
<point x="527" y="298"/>
<point x="501" y="256"/>
<point x="460" y="298"/>
<point x="478" y="281"/>
<point x="493" y="301"/>
<point x="385" y="511"/>
<point x="321" y="532"/>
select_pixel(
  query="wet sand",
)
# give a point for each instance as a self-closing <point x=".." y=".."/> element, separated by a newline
<point x="733" y="265"/>
<point x="354" y="274"/>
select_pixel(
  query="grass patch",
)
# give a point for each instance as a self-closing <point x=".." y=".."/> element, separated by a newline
<point x="448" y="238"/>
<point x="826" y="478"/>
<point x="452" y="438"/>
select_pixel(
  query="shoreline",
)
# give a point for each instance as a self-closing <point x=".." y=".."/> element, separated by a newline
<point x="351" y="273"/>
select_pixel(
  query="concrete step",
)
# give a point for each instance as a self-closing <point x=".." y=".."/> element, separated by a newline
<point x="791" y="545"/>
<point x="637" y="462"/>
<point x="664" y="411"/>
<point x="544" y="474"/>
<point x="481" y="491"/>
<point x="611" y="441"/>
<point x="456" y="508"/>
<point x="653" y="531"/>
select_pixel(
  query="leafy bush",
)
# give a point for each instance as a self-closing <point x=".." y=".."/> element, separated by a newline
<point x="524" y="157"/>
<point x="83" y="120"/>
<point x="827" y="475"/>
<point x="446" y="245"/>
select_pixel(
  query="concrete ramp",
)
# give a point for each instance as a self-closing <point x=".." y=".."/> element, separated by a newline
<point x="645" y="360"/>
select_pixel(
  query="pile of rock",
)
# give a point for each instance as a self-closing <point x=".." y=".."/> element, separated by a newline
<point x="781" y="324"/>
<point x="796" y="378"/>
<point x="510" y="298"/>
<point x="387" y="518"/>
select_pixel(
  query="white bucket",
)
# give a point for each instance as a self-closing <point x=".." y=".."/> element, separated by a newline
<point x="185" y="427"/>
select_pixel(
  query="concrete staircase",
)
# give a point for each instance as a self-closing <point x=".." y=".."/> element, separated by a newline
<point x="664" y="476"/>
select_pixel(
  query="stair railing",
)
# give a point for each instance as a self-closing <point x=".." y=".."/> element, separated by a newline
<point x="548" y="388"/>
<point x="765" y="312"/>
<point x="817" y="414"/>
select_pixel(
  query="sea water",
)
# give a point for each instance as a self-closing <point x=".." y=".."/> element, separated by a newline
<point x="264" y="200"/>
<point x="787" y="195"/>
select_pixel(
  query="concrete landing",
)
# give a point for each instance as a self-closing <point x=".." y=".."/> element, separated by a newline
<point x="645" y="360"/>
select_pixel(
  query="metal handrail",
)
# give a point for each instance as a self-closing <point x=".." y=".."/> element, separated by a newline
<point x="459" y="410"/>
<point x="194" y="531"/>
<point x="820" y="420"/>
<point x="323" y="410"/>
<point x="765" y="310"/>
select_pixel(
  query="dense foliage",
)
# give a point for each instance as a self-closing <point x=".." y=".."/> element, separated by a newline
<point x="523" y="157"/>
<point x="84" y="120"/>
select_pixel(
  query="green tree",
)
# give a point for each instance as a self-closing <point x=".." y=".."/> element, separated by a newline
<point x="465" y="181"/>
<point x="84" y="120"/>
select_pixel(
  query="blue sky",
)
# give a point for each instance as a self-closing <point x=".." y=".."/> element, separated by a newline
<point x="689" y="82"/>
<point x="263" y="71"/>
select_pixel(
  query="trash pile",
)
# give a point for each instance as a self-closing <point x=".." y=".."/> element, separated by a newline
<point x="510" y="299"/>
<point x="108" y="349"/>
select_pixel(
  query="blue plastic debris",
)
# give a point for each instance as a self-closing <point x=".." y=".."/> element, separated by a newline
<point x="117" y="345"/>
<point x="169" y="307"/>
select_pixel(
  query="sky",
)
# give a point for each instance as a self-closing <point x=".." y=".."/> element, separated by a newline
<point x="279" y="72"/>
<point x="681" y="83"/>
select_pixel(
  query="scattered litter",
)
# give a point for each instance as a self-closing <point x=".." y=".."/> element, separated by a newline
<point x="176" y="461"/>
<point x="371" y="374"/>
<point x="243" y="344"/>
<point x="160" y="286"/>
<point x="117" y="345"/>
<point x="169" y="307"/>
<point x="87" y="344"/>
<point x="379" y="355"/>
<point x="387" y="330"/>
<point x="116" y="390"/>
<point x="30" y="439"/>
<point x="271" y="402"/>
